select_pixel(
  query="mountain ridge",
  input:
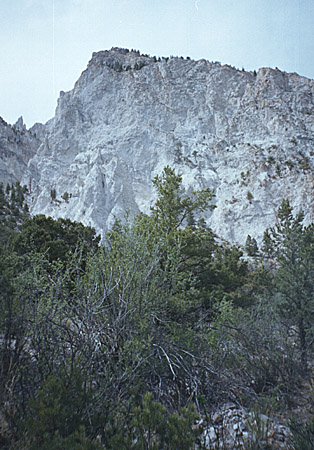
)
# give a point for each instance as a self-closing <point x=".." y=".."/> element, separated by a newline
<point x="249" y="136"/>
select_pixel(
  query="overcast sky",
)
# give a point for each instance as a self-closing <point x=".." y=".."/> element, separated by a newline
<point x="46" y="44"/>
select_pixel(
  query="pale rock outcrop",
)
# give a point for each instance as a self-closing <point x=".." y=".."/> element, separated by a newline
<point x="17" y="146"/>
<point x="232" y="427"/>
<point x="247" y="136"/>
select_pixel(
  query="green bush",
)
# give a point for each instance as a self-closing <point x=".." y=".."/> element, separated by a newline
<point x="53" y="194"/>
<point x="57" y="416"/>
<point x="65" y="197"/>
<point x="251" y="246"/>
<point x="303" y="435"/>
<point x="149" y="425"/>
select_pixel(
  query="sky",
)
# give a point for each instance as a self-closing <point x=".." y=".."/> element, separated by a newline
<point x="46" y="44"/>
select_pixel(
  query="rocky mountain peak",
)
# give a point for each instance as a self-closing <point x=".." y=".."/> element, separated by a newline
<point x="247" y="135"/>
<point x="17" y="146"/>
<point x="19" y="125"/>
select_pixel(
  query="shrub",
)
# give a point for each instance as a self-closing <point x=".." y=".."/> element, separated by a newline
<point x="149" y="425"/>
<point x="53" y="194"/>
<point x="57" y="417"/>
<point x="65" y="197"/>
<point x="303" y="435"/>
<point x="251" y="246"/>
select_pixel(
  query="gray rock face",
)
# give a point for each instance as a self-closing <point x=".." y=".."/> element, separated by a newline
<point x="235" y="428"/>
<point x="17" y="147"/>
<point x="249" y="137"/>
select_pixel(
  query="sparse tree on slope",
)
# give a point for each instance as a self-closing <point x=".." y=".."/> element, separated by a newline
<point x="293" y="247"/>
<point x="173" y="206"/>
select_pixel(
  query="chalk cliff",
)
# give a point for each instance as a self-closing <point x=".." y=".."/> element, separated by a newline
<point x="248" y="136"/>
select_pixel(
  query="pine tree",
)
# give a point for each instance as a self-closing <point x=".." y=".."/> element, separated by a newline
<point x="173" y="206"/>
<point x="251" y="246"/>
<point x="293" y="245"/>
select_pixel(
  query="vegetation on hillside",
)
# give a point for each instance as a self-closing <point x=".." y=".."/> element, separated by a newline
<point x="125" y="344"/>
